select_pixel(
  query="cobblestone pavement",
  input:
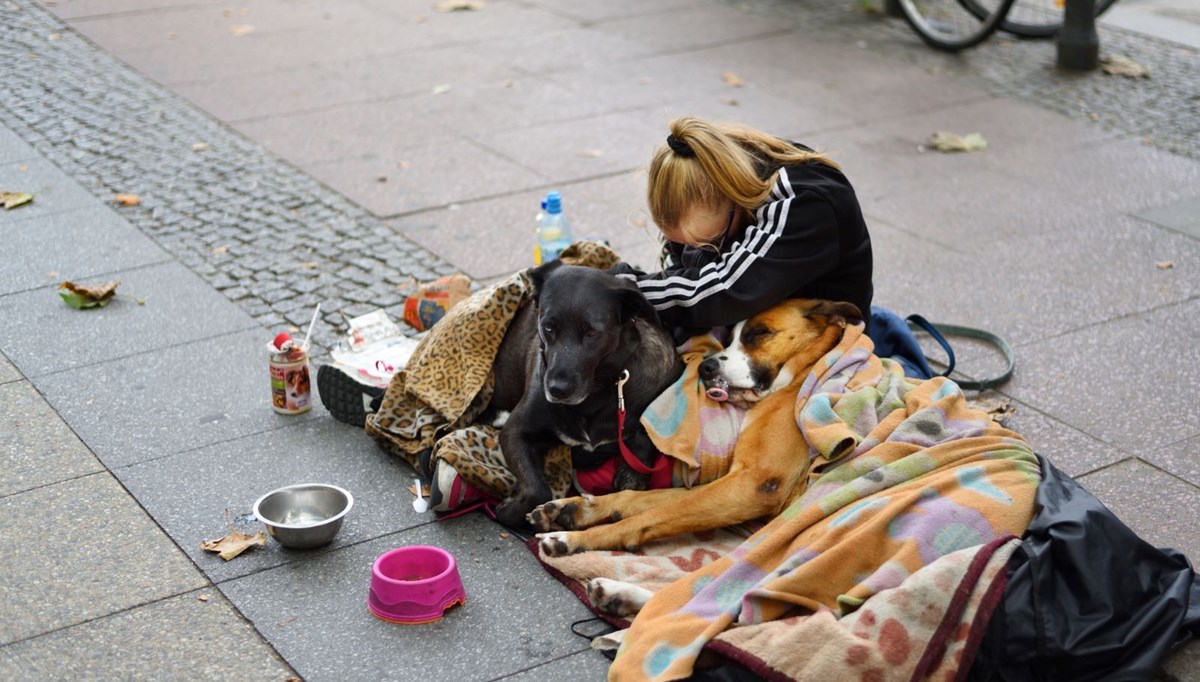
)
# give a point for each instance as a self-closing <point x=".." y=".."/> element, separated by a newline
<point x="268" y="236"/>
<point x="1162" y="110"/>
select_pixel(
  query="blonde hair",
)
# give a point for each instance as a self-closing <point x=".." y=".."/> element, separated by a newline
<point x="724" y="163"/>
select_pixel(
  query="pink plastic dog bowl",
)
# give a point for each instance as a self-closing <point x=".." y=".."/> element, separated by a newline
<point x="414" y="585"/>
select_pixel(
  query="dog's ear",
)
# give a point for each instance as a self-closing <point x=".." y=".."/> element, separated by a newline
<point x="539" y="274"/>
<point x="838" y="312"/>
<point x="634" y="304"/>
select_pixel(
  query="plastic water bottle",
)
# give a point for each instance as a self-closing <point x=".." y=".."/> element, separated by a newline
<point x="553" y="232"/>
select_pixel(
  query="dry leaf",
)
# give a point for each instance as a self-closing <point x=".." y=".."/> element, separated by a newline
<point x="80" y="296"/>
<point x="172" y="35"/>
<point x="54" y="36"/>
<point x="234" y="543"/>
<point x="228" y="12"/>
<point x="307" y="265"/>
<point x="729" y="101"/>
<point x="638" y="222"/>
<point x="217" y="251"/>
<point x="732" y="79"/>
<point x="1165" y="264"/>
<point x="381" y="178"/>
<point x="508" y="83"/>
<point x="504" y="534"/>
<point x="1116" y="65"/>
<point x="998" y="409"/>
<point x="421" y="19"/>
<point x="200" y="147"/>
<point x="590" y="153"/>
<point x="127" y="199"/>
<point x="239" y="30"/>
<point x="402" y="165"/>
<point x="203" y="597"/>
<point x="459" y="5"/>
<point x="12" y="200"/>
<point x="442" y="89"/>
<point x="645" y="81"/>
<point x="23" y="168"/>
<point x="944" y="141"/>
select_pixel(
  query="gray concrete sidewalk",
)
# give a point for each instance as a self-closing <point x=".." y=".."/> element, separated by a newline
<point x="337" y="167"/>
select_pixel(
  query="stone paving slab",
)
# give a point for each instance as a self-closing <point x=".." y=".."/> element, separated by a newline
<point x="13" y="148"/>
<point x="37" y="447"/>
<point x="163" y="402"/>
<point x="599" y="11"/>
<point x="177" y="638"/>
<point x="1183" y="216"/>
<point x="178" y="308"/>
<point x="190" y="493"/>
<point x="74" y="9"/>
<point x="314" y="611"/>
<point x="37" y="256"/>
<point x="1142" y="367"/>
<point x="1181" y="459"/>
<point x="91" y="552"/>
<point x="1072" y="450"/>
<point x="700" y="26"/>
<point x="7" y="371"/>
<point x="585" y="665"/>
<point x="1156" y="505"/>
<point x="53" y="191"/>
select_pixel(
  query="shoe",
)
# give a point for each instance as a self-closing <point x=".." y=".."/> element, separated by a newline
<point x="348" y="396"/>
<point x="448" y="491"/>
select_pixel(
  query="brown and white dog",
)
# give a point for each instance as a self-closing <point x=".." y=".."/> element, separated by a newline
<point x="769" y="357"/>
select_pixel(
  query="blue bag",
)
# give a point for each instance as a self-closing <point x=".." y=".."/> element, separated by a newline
<point x="894" y="338"/>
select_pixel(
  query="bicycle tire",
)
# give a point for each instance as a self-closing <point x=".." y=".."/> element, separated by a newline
<point x="1031" y="18"/>
<point x="949" y="25"/>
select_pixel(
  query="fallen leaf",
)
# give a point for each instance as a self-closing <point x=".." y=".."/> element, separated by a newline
<point x="732" y="79"/>
<point x="224" y="248"/>
<point x="308" y="265"/>
<point x="1165" y="264"/>
<point x="998" y="409"/>
<point x="459" y="6"/>
<point x="239" y="30"/>
<point x="442" y="89"/>
<point x="504" y="534"/>
<point x="638" y="222"/>
<point x="1094" y="116"/>
<point x="645" y="81"/>
<point x="402" y="165"/>
<point x="200" y="147"/>
<point x="508" y="83"/>
<point x="203" y="597"/>
<point x="234" y="543"/>
<point x="54" y="36"/>
<point x="944" y="141"/>
<point x="127" y="199"/>
<point x="381" y="178"/>
<point x="12" y="200"/>
<point x="1116" y="65"/>
<point x="23" y="168"/>
<point x="172" y="35"/>
<point x="729" y="101"/>
<point x="421" y="19"/>
<point x="228" y="12"/>
<point x="590" y="153"/>
<point x="80" y="296"/>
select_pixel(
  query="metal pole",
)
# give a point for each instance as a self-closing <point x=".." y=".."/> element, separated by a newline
<point x="1078" y="43"/>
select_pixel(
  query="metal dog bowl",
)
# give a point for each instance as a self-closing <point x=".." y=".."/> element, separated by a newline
<point x="304" y="516"/>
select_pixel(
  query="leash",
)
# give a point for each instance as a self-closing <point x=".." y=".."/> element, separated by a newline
<point x="918" y="323"/>
<point x="627" y="454"/>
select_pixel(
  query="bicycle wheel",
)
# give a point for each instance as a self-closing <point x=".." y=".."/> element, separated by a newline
<point x="949" y="25"/>
<point x="1030" y="18"/>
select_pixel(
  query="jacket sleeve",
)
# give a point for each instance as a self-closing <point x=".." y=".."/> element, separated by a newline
<point x="793" y="241"/>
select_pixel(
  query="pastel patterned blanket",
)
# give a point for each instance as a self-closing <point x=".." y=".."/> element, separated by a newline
<point x="901" y="474"/>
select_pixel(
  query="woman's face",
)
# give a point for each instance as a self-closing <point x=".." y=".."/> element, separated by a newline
<point x="701" y="225"/>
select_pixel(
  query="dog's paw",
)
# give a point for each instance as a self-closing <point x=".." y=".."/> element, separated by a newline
<point x="557" y="544"/>
<point x="555" y="515"/>
<point x="616" y="597"/>
<point x="511" y="512"/>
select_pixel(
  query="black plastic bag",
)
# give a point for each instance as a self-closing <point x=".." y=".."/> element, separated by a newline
<point x="1087" y="599"/>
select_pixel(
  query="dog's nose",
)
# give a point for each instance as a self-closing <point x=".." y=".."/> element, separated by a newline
<point x="558" y="389"/>
<point x="709" y="368"/>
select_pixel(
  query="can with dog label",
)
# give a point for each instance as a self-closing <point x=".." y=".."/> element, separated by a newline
<point x="291" y="390"/>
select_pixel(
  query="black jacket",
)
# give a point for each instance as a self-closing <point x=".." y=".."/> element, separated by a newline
<point x="808" y="240"/>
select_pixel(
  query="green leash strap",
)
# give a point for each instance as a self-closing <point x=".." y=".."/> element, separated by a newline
<point x="919" y="324"/>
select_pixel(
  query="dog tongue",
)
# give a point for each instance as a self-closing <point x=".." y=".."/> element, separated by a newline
<point x="718" y="390"/>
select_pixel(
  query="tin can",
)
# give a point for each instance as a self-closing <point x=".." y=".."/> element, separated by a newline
<point x="291" y="385"/>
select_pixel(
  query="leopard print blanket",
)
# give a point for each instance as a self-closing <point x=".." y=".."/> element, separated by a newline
<point x="430" y="407"/>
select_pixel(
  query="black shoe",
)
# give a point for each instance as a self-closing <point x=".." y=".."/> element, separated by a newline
<point x="346" y="396"/>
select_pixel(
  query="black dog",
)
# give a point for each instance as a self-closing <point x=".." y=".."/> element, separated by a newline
<point x="557" y="370"/>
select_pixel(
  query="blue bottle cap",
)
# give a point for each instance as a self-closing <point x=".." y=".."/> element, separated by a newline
<point x="553" y="202"/>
